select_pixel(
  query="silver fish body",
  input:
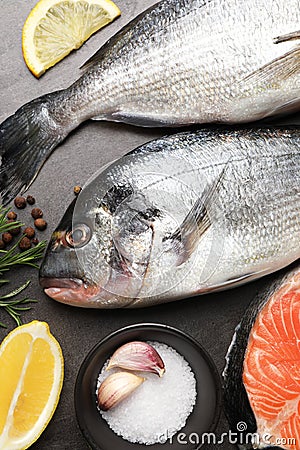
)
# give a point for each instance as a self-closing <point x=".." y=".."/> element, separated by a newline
<point x="183" y="215"/>
<point x="180" y="62"/>
<point x="191" y="61"/>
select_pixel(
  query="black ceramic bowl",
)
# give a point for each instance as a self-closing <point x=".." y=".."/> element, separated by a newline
<point x="205" y="414"/>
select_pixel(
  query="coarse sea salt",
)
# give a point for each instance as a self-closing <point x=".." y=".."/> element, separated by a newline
<point x="160" y="407"/>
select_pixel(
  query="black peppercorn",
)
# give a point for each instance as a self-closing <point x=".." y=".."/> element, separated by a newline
<point x="30" y="200"/>
<point x="29" y="232"/>
<point x="12" y="215"/>
<point x="37" y="213"/>
<point x="77" y="190"/>
<point x="14" y="231"/>
<point x="20" y="202"/>
<point x="25" y="243"/>
<point x="40" y="224"/>
<point x="7" y="237"/>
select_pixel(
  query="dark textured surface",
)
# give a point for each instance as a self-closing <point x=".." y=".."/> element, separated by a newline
<point x="210" y="319"/>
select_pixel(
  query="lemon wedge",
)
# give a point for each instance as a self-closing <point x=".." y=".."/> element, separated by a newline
<point x="54" y="28"/>
<point x="31" y="377"/>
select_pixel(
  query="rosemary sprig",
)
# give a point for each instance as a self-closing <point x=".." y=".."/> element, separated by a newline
<point x="5" y="225"/>
<point x="15" y="307"/>
<point x="13" y="258"/>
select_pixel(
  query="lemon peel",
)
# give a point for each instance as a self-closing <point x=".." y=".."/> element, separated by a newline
<point x="54" y="28"/>
<point x="31" y="378"/>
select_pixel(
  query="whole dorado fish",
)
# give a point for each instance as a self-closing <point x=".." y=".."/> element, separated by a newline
<point x="261" y="378"/>
<point x="183" y="215"/>
<point x="180" y="62"/>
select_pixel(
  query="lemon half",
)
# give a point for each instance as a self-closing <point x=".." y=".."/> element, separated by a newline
<point x="31" y="377"/>
<point x="54" y="28"/>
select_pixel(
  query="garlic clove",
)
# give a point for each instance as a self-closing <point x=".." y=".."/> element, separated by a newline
<point x="137" y="356"/>
<point x="117" y="387"/>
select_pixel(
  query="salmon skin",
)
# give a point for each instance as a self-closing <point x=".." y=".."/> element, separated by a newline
<point x="262" y="377"/>
<point x="180" y="216"/>
<point x="180" y="62"/>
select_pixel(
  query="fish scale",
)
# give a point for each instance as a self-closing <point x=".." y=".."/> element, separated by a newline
<point x="189" y="213"/>
<point x="180" y="62"/>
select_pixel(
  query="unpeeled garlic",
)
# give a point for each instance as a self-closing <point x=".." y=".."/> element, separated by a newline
<point x="117" y="387"/>
<point x="137" y="356"/>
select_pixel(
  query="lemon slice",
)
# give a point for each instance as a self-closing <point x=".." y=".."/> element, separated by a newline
<point x="31" y="376"/>
<point x="54" y="28"/>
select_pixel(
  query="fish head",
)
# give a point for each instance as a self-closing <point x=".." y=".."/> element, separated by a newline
<point x="120" y="243"/>
<point x="61" y="274"/>
<point x="104" y="260"/>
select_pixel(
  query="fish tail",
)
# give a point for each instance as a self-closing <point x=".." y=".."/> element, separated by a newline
<point x="27" y="138"/>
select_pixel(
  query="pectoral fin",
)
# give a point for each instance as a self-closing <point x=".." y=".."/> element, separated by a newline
<point x="186" y="237"/>
<point x="280" y="68"/>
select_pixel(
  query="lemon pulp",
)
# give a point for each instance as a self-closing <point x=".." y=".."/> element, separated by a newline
<point x="31" y="376"/>
<point x="54" y="28"/>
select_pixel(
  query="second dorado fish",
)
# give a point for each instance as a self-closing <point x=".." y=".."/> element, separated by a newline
<point x="180" y="62"/>
<point x="180" y="216"/>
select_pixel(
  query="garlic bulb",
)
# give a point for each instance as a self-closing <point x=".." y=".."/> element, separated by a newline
<point x="137" y="356"/>
<point x="117" y="387"/>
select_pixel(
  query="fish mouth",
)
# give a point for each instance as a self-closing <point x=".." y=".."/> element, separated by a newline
<point x="72" y="291"/>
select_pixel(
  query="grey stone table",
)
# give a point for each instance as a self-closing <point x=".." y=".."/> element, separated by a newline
<point x="210" y="319"/>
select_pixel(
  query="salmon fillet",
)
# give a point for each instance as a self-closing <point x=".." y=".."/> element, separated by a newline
<point x="272" y="367"/>
<point x="262" y="374"/>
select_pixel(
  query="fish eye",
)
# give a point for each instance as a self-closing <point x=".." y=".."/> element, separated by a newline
<point x="78" y="236"/>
